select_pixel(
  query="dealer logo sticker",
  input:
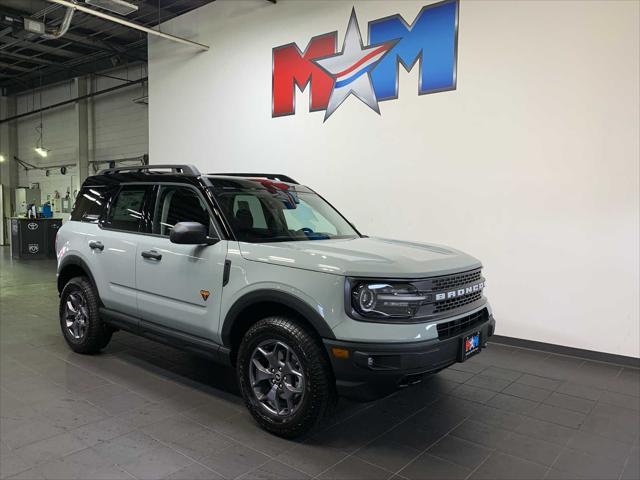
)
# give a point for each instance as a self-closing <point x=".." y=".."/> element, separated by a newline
<point x="34" y="248"/>
<point x="204" y="294"/>
<point x="369" y="72"/>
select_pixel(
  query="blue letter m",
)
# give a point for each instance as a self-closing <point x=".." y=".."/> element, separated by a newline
<point x="431" y="39"/>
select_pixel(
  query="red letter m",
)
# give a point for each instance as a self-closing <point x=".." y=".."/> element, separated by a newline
<point x="292" y="68"/>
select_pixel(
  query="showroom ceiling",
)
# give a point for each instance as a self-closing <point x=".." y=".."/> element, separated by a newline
<point x="91" y="44"/>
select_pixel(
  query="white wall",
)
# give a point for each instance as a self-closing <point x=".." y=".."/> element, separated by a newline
<point x="118" y="129"/>
<point x="121" y="126"/>
<point x="530" y="165"/>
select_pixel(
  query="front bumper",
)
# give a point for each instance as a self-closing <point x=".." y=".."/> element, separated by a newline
<point x="373" y="370"/>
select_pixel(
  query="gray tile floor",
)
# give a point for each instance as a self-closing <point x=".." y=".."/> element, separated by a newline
<point x="143" y="410"/>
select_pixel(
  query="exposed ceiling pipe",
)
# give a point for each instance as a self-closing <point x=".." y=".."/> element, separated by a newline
<point x="127" y="23"/>
<point x="73" y="100"/>
<point x="60" y="30"/>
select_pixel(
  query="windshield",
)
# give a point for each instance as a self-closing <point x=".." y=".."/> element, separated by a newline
<point x="266" y="211"/>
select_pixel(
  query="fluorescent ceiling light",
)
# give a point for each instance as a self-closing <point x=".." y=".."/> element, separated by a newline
<point x="2" y="159"/>
<point x="143" y="100"/>
<point x="116" y="6"/>
<point x="43" y="152"/>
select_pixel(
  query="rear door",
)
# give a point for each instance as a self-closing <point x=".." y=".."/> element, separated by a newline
<point x="113" y="249"/>
<point x="180" y="286"/>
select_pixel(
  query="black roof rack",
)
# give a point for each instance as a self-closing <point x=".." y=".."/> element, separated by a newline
<point x="271" y="176"/>
<point x="181" y="169"/>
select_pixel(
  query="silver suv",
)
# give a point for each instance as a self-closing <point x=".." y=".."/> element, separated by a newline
<point x="261" y="273"/>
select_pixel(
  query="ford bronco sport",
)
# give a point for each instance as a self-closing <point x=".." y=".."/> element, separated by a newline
<point x="263" y="274"/>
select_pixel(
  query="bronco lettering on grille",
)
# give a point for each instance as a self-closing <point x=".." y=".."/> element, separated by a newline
<point x="460" y="292"/>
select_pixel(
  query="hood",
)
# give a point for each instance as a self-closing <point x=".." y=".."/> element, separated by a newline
<point x="363" y="257"/>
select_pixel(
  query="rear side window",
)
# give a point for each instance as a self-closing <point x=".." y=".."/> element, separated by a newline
<point x="91" y="204"/>
<point x="126" y="210"/>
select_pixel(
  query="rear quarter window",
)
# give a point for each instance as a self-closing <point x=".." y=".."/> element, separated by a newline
<point x="91" y="203"/>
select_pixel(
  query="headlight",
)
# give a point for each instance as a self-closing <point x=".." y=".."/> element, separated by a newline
<point x="384" y="300"/>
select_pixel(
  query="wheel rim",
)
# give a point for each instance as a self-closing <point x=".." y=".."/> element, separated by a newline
<point x="276" y="377"/>
<point x="76" y="316"/>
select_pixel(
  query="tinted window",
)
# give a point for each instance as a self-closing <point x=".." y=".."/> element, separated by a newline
<point x="178" y="204"/>
<point x="126" y="209"/>
<point x="91" y="203"/>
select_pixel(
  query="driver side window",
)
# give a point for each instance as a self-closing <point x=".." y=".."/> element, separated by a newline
<point x="175" y="205"/>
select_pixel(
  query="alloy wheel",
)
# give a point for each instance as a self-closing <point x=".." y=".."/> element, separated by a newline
<point x="276" y="377"/>
<point x="76" y="315"/>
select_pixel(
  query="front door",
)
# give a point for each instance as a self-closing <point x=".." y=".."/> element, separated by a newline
<point x="180" y="286"/>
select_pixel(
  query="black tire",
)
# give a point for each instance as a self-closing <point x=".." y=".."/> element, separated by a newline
<point x="319" y="396"/>
<point x="96" y="334"/>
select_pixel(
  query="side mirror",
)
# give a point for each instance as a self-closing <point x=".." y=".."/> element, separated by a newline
<point x="191" y="233"/>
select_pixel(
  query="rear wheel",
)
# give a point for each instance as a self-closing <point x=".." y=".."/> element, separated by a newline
<point x="79" y="318"/>
<point x="285" y="377"/>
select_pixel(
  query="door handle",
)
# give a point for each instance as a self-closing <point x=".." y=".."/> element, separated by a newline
<point x="151" y="255"/>
<point x="96" y="245"/>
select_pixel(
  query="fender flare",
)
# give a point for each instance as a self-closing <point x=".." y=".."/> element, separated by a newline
<point x="78" y="262"/>
<point x="274" y="296"/>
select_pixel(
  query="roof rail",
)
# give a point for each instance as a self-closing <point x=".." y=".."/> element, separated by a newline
<point x="180" y="169"/>
<point x="271" y="176"/>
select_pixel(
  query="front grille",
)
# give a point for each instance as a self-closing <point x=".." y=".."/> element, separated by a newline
<point x="447" y="295"/>
<point x="453" y="303"/>
<point x="456" y="327"/>
<point x="453" y="281"/>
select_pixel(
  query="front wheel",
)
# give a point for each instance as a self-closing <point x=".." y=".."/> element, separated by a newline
<point x="79" y="318"/>
<point x="285" y="377"/>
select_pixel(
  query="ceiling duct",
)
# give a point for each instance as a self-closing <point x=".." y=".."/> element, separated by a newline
<point x="116" y="6"/>
<point x="60" y="30"/>
<point x="127" y="23"/>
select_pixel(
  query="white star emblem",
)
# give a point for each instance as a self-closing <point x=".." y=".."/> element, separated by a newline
<point x="351" y="69"/>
